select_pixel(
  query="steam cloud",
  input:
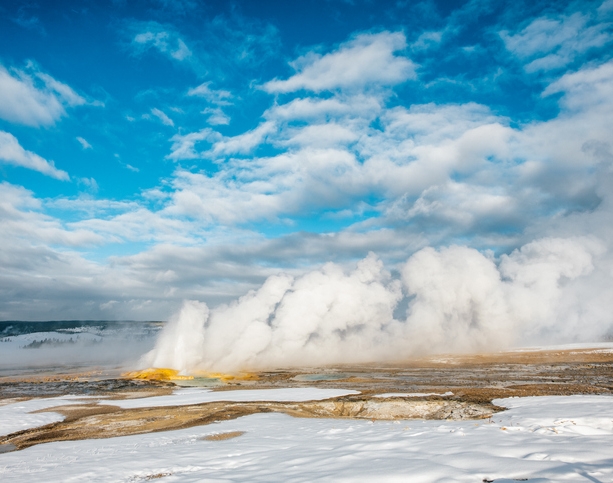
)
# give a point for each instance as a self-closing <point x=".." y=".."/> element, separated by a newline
<point x="457" y="300"/>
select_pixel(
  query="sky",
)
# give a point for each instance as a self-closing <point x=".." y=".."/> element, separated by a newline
<point x="156" y="151"/>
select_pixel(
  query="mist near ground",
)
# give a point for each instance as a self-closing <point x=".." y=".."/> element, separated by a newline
<point x="69" y="346"/>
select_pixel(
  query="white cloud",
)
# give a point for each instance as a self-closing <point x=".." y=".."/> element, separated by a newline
<point x="461" y="204"/>
<point x="162" y="117"/>
<point x="337" y="107"/>
<point x="183" y="145"/>
<point x="218" y="97"/>
<point x="391" y="179"/>
<point x="413" y="150"/>
<point x="433" y="123"/>
<point x="605" y="7"/>
<point x="140" y="224"/>
<point x="243" y="143"/>
<point x="321" y="135"/>
<point x="587" y="89"/>
<point x="429" y="165"/>
<point x="163" y="39"/>
<point x="216" y="116"/>
<point x="89" y="183"/>
<point x="367" y="60"/>
<point x="64" y="92"/>
<point x="84" y="144"/>
<point x="427" y="40"/>
<point x="550" y="43"/>
<point x="23" y="221"/>
<point x="11" y="152"/>
<point x="34" y="98"/>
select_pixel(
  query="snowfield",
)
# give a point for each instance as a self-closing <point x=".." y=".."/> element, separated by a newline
<point x="197" y="396"/>
<point x="566" y="438"/>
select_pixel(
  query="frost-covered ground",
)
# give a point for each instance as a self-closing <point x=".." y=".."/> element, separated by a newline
<point x="568" y="438"/>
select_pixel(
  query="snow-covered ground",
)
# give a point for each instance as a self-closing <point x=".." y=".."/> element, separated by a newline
<point x="567" y="438"/>
<point x="597" y="346"/>
<point x="22" y="415"/>
<point x="197" y="395"/>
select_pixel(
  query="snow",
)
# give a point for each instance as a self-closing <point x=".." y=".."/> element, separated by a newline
<point x="20" y="341"/>
<point x="19" y="416"/>
<point x="553" y="438"/>
<point x="604" y="347"/>
<point x="199" y="395"/>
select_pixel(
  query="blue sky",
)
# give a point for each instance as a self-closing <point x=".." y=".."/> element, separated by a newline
<point x="157" y="150"/>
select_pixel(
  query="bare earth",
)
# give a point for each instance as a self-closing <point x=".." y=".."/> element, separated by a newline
<point x="473" y="380"/>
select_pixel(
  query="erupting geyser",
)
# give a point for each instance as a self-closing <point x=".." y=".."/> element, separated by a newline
<point x="458" y="300"/>
<point x="180" y="344"/>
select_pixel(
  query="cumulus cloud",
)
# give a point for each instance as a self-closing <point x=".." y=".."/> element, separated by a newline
<point x="448" y="170"/>
<point x="11" y="152"/>
<point x="334" y="164"/>
<point x="34" y="98"/>
<point x="367" y="60"/>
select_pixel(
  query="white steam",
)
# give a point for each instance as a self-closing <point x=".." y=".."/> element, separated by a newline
<point x="180" y="344"/>
<point x="457" y="300"/>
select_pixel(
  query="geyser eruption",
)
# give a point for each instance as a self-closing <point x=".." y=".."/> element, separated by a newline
<point x="457" y="299"/>
<point x="180" y="344"/>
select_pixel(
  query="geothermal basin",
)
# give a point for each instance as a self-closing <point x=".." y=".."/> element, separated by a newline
<point x="103" y="403"/>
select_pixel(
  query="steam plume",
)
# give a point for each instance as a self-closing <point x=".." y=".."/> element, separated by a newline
<point x="457" y="299"/>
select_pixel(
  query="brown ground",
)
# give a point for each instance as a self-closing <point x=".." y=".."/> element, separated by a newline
<point x="223" y="436"/>
<point x="474" y="381"/>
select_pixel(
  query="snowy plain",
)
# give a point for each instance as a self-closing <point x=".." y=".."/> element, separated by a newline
<point x="23" y="414"/>
<point x="554" y="438"/>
